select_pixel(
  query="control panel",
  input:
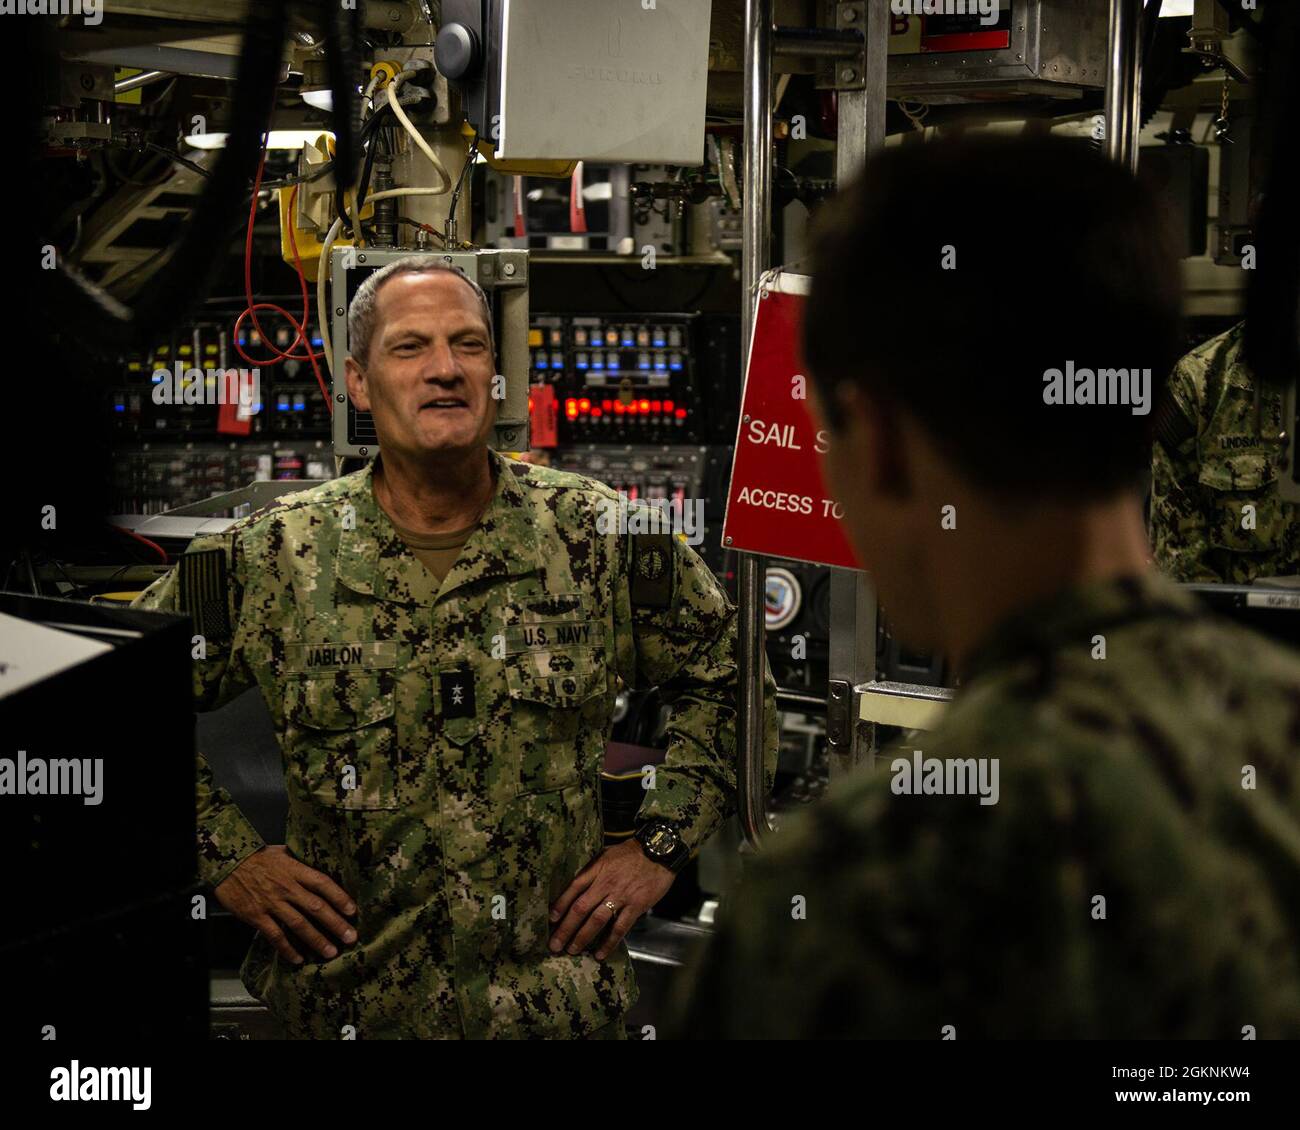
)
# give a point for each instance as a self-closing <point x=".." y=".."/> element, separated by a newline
<point x="196" y="385"/>
<point x="619" y="379"/>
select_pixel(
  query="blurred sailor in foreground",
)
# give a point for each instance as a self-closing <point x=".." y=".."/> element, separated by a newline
<point x="1102" y="837"/>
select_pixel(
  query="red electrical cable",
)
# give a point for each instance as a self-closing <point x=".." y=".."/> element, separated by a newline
<point x="144" y="541"/>
<point x="300" y="327"/>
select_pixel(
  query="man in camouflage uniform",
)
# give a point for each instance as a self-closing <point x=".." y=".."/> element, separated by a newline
<point x="443" y="725"/>
<point x="1215" y="510"/>
<point x="1101" y="838"/>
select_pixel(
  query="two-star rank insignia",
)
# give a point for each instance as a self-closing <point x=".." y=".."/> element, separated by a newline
<point x="456" y="689"/>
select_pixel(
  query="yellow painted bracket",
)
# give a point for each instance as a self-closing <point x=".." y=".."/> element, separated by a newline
<point x="531" y="168"/>
<point x="309" y="245"/>
<point x="130" y="97"/>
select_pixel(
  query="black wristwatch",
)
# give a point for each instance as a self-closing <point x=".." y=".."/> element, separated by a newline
<point x="661" y="844"/>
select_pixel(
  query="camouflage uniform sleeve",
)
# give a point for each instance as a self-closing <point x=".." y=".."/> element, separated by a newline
<point x="1179" y="527"/>
<point x="208" y="577"/>
<point x="684" y="633"/>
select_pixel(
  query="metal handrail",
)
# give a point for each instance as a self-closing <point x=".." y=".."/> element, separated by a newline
<point x="755" y="254"/>
<point x="1124" y="82"/>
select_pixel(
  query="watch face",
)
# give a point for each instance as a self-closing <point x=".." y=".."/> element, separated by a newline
<point x="660" y="841"/>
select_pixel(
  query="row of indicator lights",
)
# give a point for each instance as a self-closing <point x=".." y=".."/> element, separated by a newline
<point x="576" y="407"/>
<point x="628" y="337"/>
<point x="299" y="405"/>
<point x="210" y="351"/>
<point x="283" y="338"/>
<point x="599" y="362"/>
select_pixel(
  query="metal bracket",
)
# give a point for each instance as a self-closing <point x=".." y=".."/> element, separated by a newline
<point x="850" y="74"/>
<point x="906" y="705"/>
<point x="844" y="73"/>
<point x="839" y="734"/>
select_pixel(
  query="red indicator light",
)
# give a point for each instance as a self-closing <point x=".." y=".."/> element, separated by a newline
<point x="607" y="405"/>
<point x="595" y="413"/>
<point x="584" y="405"/>
<point x="668" y="405"/>
<point x="645" y="406"/>
<point x="680" y="413"/>
<point x="656" y="406"/>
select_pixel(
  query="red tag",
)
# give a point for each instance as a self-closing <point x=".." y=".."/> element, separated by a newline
<point x="521" y="227"/>
<point x="542" y="413"/>
<point x="777" y="505"/>
<point x="231" y="422"/>
<point x="577" y="207"/>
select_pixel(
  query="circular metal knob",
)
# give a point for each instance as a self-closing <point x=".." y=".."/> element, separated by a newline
<point x="456" y="51"/>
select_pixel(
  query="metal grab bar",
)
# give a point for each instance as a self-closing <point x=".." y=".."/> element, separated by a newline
<point x="1124" y="82"/>
<point x="756" y="251"/>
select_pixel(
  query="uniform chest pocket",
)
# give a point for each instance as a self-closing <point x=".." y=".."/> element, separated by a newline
<point x="555" y="701"/>
<point x="341" y="739"/>
<point x="1241" y="493"/>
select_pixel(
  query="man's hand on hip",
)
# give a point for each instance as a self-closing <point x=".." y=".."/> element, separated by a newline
<point x="272" y="892"/>
<point x="606" y="898"/>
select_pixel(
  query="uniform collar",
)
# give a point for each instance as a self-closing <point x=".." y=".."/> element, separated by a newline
<point x="373" y="559"/>
<point x="1073" y="616"/>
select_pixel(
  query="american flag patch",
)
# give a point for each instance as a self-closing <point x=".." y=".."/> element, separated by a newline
<point x="203" y="593"/>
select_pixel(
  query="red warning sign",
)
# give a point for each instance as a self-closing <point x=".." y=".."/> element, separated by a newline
<point x="777" y="504"/>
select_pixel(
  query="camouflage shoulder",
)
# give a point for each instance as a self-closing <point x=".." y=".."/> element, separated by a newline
<point x="530" y="476"/>
<point x="1262" y="662"/>
<point x="1193" y="373"/>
